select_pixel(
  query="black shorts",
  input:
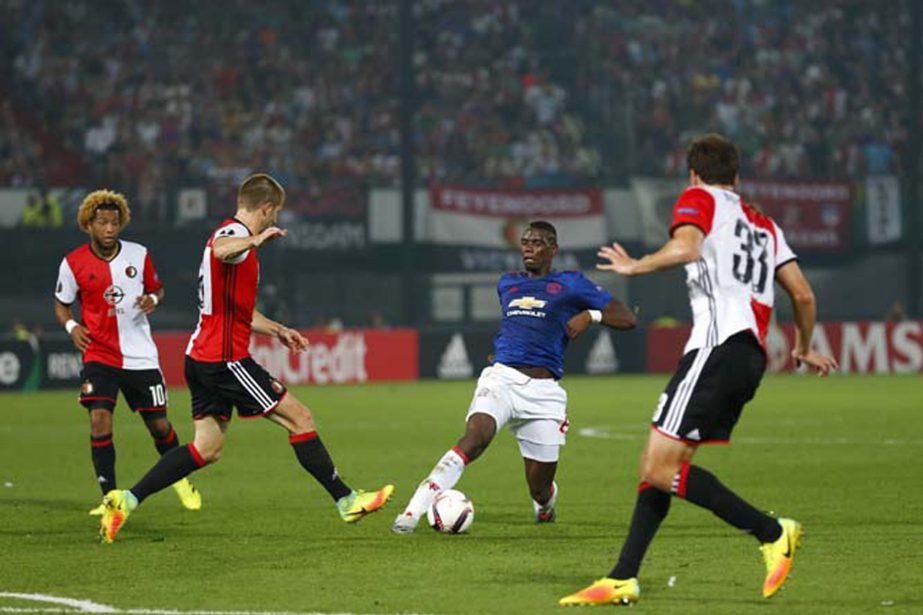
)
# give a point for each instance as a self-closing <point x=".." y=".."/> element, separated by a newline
<point x="143" y="389"/>
<point x="707" y="393"/>
<point x="218" y="387"/>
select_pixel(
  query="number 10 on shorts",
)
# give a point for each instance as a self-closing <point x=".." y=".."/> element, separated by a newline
<point x="158" y="395"/>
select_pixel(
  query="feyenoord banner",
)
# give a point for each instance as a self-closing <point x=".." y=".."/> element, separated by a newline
<point x="813" y="215"/>
<point x="495" y="218"/>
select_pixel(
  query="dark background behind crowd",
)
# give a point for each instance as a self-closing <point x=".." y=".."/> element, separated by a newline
<point x="151" y="97"/>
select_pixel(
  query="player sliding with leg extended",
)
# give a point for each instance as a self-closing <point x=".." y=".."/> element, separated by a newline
<point x="541" y="310"/>
<point x="732" y="254"/>
<point x="118" y="288"/>
<point x="222" y="375"/>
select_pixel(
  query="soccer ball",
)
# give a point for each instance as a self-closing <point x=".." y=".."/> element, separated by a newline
<point x="451" y="513"/>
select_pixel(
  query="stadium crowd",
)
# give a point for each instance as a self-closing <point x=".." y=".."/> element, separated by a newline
<point x="513" y="92"/>
<point x="807" y="89"/>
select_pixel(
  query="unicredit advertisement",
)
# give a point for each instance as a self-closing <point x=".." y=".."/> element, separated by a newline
<point x="343" y="357"/>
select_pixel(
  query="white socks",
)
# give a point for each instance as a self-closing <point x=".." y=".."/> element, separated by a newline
<point x="443" y="476"/>
<point x="546" y="512"/>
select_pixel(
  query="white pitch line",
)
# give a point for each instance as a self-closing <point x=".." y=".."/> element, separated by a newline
<point x="8" y="609"/>
<point x="605" y="434"/>
<point x="71" y="605"/>
<point x="81" y="606"/>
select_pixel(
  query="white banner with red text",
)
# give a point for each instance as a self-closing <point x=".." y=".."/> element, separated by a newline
<point x="495" y="218"/>
<point x="859" y="347"/>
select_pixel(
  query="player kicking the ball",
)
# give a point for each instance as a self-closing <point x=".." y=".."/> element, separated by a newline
<point x="541" y="310"/>
<point x="222" y="375"/>
<point x="117" y="287"/>
<point x="732" y="254"/>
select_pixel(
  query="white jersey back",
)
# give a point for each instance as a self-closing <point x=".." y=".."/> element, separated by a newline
<point x="731" y="285"/>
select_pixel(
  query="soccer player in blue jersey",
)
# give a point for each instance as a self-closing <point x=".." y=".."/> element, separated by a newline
<point x="542" y="310"/>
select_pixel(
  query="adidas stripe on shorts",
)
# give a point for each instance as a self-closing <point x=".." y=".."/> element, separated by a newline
<point x="219" y="387"/>
<point x="707" y="393"/>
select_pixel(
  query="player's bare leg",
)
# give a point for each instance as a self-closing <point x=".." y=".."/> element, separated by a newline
<point x="479" y="432"/>
<point x="102" y="451"/>
<point x="542" y="488"/>
<point x="297" y="419"/>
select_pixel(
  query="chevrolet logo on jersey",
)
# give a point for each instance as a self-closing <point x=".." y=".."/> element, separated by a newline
<point x="528" y="303"/>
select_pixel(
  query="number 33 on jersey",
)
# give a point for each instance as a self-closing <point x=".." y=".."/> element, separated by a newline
<point x="731" y="285"/>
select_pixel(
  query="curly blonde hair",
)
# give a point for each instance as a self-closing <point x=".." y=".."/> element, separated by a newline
<point x="99" y="198"/>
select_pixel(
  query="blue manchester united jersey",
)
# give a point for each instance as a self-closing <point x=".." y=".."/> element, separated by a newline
<point x="535" y="312"/>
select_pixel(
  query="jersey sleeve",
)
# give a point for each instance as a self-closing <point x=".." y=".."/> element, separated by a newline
<point x="152" y="281"/>
<point x="234" y="230"/>
<point x="694" y="206"/>
<point x="588" y="295"/>
<point x="784" y="253"/>
<point x="66" y="289"/>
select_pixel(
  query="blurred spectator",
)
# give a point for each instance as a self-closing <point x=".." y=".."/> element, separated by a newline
<point x="43" y="210"/>
<point x="512" y="92"/>
<point x="377" y="320"/>
<point x="897" y="313"/>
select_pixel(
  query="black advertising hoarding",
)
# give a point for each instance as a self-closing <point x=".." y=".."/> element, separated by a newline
<point x="334" y="220"/>
<point x="62" y="364"/>
<point x="18" y="366"/>
<point x="45" y="363"/>
<point x="458" y="354"/>
<point x="461" y="353"/>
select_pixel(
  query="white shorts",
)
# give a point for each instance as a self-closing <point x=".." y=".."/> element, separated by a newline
<point x="534" y="408"/>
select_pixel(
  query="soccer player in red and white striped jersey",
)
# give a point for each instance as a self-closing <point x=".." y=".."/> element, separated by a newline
<point x="222" y="375"/>
<point x="732" y="254"/>
<point x="117" y="288"/>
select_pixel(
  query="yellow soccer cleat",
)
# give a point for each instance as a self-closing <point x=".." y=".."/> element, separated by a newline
<point x="189" y="496"/>
<point x="779" y="556"/>
<point x="360" y="503"/>
<point x="605" y="591"/>
<point x="116" y="510"/>
<point x="98" y="511"/>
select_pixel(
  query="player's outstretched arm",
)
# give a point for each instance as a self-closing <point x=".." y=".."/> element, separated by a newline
<point x="791" y="278"/>
<point x="615" y="315"/>
<point x="78" y="333"/>
<point x="684" y="247"/>
<point x="228" y="248"/>
<point x="290" y="338"/>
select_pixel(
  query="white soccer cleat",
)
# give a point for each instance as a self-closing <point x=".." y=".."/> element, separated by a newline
<point x="405" y="523"/>
<point x="546" y="513"/>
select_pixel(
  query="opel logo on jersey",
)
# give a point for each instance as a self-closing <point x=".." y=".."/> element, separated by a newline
<point x="113" y="295"/>
<point x="130" y="271"/>
<point x="528" y="303"/>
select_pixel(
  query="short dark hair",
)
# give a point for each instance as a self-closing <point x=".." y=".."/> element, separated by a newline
<point x="714" y="158"/>
<point x="258" y="189"/>
<point x="547" y="227"/>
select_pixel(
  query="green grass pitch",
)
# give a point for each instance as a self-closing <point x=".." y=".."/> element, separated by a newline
<point x="842" y="455"/>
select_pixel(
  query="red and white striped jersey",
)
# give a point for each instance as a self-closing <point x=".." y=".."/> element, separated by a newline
<point x="731" y="285"/>
<point x="227" y="296"/>
<point x="119" y="331"/>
